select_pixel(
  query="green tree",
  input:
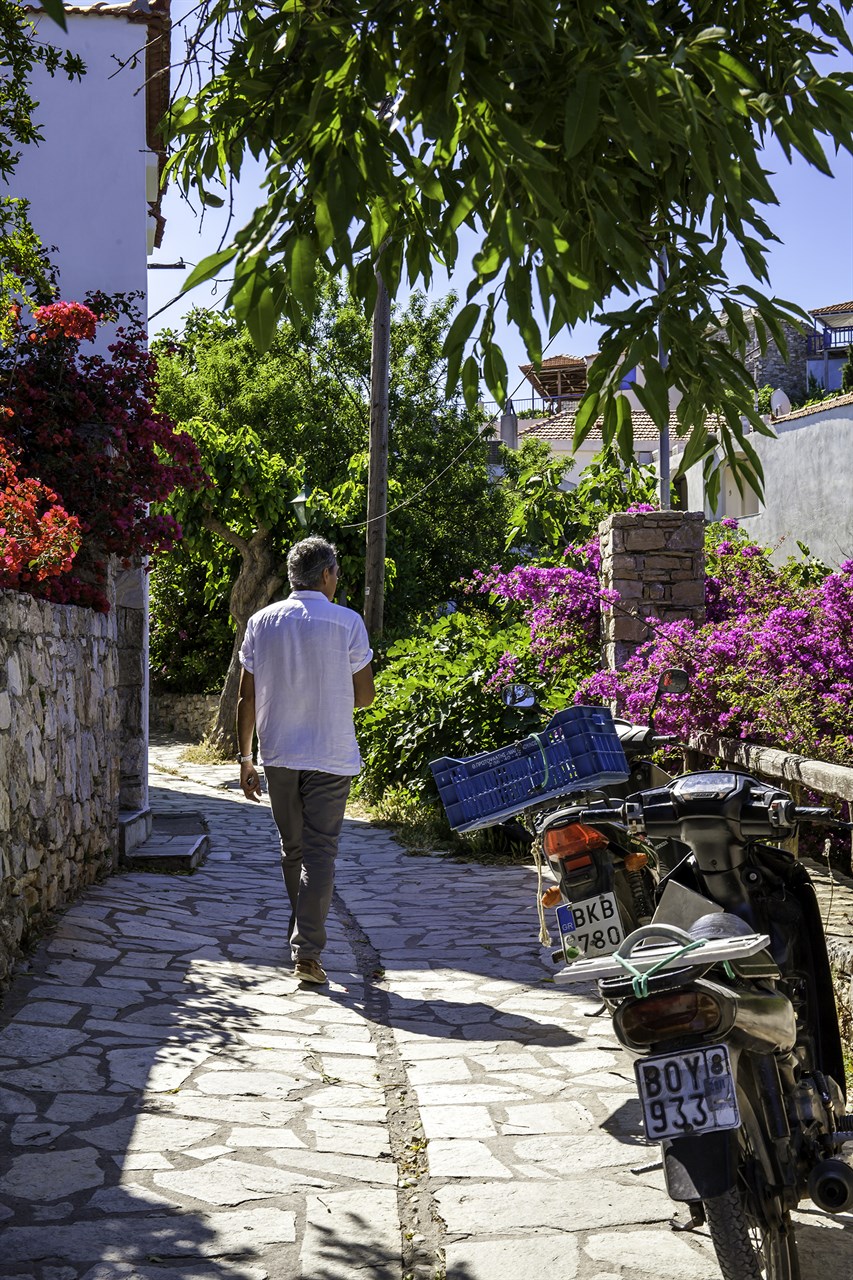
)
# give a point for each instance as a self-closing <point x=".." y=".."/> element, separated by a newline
<point x="545" y="516"/>
<point x="847" y="372"/>
<point x="578" y="144"/>
<point x="298" y="414"/>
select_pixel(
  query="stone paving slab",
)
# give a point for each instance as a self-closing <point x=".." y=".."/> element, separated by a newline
<point x="173" y="1104"/>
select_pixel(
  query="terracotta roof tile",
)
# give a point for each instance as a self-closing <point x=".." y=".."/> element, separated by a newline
<point x="835" y="403"/>
<point x="837" y="308"/>
<point x="561" y="426"/>
<point x="556" y="362"/>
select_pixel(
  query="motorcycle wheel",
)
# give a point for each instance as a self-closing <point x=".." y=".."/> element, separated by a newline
<point x="750" y="1228"/>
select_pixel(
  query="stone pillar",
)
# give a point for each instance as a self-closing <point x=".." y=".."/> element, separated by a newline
<point x="655" y="562"/>
<point x="132" y="633"/>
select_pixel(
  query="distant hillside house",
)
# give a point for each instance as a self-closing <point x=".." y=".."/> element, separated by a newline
<point x="558" y="432"/>
<point x="828" y="343"/>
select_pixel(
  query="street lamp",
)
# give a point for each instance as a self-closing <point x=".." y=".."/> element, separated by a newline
<point x="300" y="505"/>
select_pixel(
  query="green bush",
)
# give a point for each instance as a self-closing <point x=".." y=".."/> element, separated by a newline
<point x="437" y="696"/>
<point x="191" y="636"/>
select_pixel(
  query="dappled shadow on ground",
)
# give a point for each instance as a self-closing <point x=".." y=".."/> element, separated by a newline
<point x="824" y="1243"/>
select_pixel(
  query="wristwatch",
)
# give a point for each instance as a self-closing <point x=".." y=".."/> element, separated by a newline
<point x="243" y="759"/>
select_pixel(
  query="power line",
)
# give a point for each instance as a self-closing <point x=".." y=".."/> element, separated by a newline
<point x="362" y="524"/>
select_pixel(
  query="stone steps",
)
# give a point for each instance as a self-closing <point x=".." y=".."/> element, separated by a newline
<point x="178" y="842"/>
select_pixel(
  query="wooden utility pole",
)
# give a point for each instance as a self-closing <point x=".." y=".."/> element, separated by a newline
<point x="377" y="476"/>
<point x="663" y="359"/>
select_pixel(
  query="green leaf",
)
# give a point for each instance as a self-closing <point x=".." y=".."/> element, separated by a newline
<point x="55" y="10"/>
<point x="581" y="114"/>
<point x="261" y="320"/>
<point x="585" y="417"/>
<point x="699" y="444"/>
<point x="454" y="344"/>
<point x="302" y="266"/>
<point x="209" y="267"/>
<point x="653" y="393"/>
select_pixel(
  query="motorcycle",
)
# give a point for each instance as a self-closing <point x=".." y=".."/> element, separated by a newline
<point x="725" y="1001"/>
<point x="606" y="878"/>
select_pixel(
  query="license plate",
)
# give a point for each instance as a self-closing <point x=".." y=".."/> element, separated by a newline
<point x="591" y="926"/>
<point x="688" y="1092"/>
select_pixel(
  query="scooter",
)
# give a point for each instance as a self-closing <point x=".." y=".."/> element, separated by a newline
<point x="606" y="876"/>
<point x="725" y="1000"/>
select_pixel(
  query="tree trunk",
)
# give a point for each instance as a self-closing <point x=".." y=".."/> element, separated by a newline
<point x="260" y="577"/>
<point x="377" y="476"/>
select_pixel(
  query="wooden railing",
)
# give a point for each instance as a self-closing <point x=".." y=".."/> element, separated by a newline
<point x="828" y="340"/>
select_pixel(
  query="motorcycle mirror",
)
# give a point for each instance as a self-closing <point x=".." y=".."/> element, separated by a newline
<point x="518" y="695"/>
<point x="674" y="680"/>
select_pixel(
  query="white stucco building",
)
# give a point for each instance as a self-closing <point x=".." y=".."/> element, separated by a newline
<point x="807" y="484"/>
<point x="93" y="188"/>
<point x="93" y="183"/>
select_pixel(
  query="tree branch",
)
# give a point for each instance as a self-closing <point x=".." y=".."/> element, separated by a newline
<point x="214" y="525"/>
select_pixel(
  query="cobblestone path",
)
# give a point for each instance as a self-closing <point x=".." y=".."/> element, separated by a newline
<point x="174" y="1106"/>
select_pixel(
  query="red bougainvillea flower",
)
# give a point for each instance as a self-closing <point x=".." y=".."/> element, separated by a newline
<point x="66" y="320"/>
<point x="85" y="426"/>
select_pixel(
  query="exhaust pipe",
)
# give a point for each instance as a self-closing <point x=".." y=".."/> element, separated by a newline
<point x="831" y="1186"/>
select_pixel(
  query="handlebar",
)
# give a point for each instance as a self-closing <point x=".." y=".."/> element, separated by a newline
<point x="755" y="820"/>
<point x="805" y="813"/>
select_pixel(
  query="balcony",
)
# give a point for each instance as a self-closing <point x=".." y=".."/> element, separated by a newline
<point x="834" y="341"/>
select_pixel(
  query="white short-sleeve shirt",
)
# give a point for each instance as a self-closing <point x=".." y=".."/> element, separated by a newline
<point x="303" y="653"/>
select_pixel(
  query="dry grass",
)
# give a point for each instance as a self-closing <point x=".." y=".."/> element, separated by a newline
<point x="206" y="753"/>
<point x="422" y="829"/>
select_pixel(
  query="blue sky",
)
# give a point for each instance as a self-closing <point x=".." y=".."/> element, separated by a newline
<point x="812" y="266"/>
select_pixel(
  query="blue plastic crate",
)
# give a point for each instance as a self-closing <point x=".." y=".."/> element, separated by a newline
<point x="578" y="751"/>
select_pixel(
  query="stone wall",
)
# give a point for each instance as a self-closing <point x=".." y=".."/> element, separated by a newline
<point x="188" y="715"/>
<point x="770" y="368"/>
<point x="655" y="562"/>
<point x="59" y="759"/>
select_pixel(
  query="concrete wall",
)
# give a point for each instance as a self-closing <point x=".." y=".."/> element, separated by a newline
<point x="808" y="493"/>
<point x="59" y="759"/>
<point x="86" y="180"/>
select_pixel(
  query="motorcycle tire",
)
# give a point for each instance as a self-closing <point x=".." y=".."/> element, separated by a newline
<point x="750" y="1228"/>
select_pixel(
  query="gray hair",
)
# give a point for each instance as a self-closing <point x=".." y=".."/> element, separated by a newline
<point x="307" y="560"/>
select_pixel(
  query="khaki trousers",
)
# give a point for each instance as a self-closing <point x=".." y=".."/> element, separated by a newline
<point x="308" y="807"/>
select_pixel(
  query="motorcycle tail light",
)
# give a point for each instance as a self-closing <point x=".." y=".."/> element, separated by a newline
<point x="669" y="1016"/>
<point x="573" y="844"/>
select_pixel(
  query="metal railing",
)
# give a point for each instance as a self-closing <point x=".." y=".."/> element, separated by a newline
<point x="523" y="404"/>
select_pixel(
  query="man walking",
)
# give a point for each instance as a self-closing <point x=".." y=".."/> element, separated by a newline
<point x="306" y="665"/>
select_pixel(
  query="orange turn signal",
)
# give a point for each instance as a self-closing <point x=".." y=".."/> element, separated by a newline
<point x="636" y="861"/>
<point x="573" y="839"/>
<point x="552" y="895"/>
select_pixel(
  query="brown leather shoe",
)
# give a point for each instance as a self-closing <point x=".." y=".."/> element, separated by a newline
<point x="310" y="971"/>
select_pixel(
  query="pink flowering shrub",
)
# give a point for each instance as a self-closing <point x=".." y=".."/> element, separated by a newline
<point x="561" y="604"/>
<point x="773" y="664"/>
<point x="84" y="427"/>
